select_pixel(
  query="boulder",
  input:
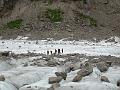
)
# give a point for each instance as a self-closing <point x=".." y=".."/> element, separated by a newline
<point x="2" y="78"/>
<point x="102" y="66"/>
<point x="104" y="78"/>
<point x="77" y="78"/>
<point x="62" y="74"/>
<point x="55" y="79"/>
<point x="118" y="83"/>
<point x="86" y="70"/>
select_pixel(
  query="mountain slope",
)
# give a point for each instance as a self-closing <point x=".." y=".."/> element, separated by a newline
<point x="81" y="19"/>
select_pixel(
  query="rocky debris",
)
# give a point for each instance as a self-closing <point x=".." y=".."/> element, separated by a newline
<point x="55" y="79"/>
<point x="118" y="83"/>
<point x="77" y="78"/>
<point x="86" y="70"/>
<point x="104" y="78"/>
<point x="62" y="74"/>
<point x="102" y="66"/>
<point x="2" y="78"/>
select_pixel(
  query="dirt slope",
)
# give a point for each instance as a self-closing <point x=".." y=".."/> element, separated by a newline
<point x="76" y="14"/>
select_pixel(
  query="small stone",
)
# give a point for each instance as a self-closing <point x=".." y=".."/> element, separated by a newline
<point x="104" y="78"/>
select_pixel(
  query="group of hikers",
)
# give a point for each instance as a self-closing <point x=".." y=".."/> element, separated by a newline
<point x="57" y="51"/>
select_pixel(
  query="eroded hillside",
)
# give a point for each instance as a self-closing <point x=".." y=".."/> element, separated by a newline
<point x="76" y="19"/>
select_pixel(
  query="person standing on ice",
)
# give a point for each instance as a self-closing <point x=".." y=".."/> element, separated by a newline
<point x="51" y="52"/>
<point x="62" y="50"/>
<point x="58" y="51"/>
<point x="47" y="52"/>
<point x="55" y="51"/>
